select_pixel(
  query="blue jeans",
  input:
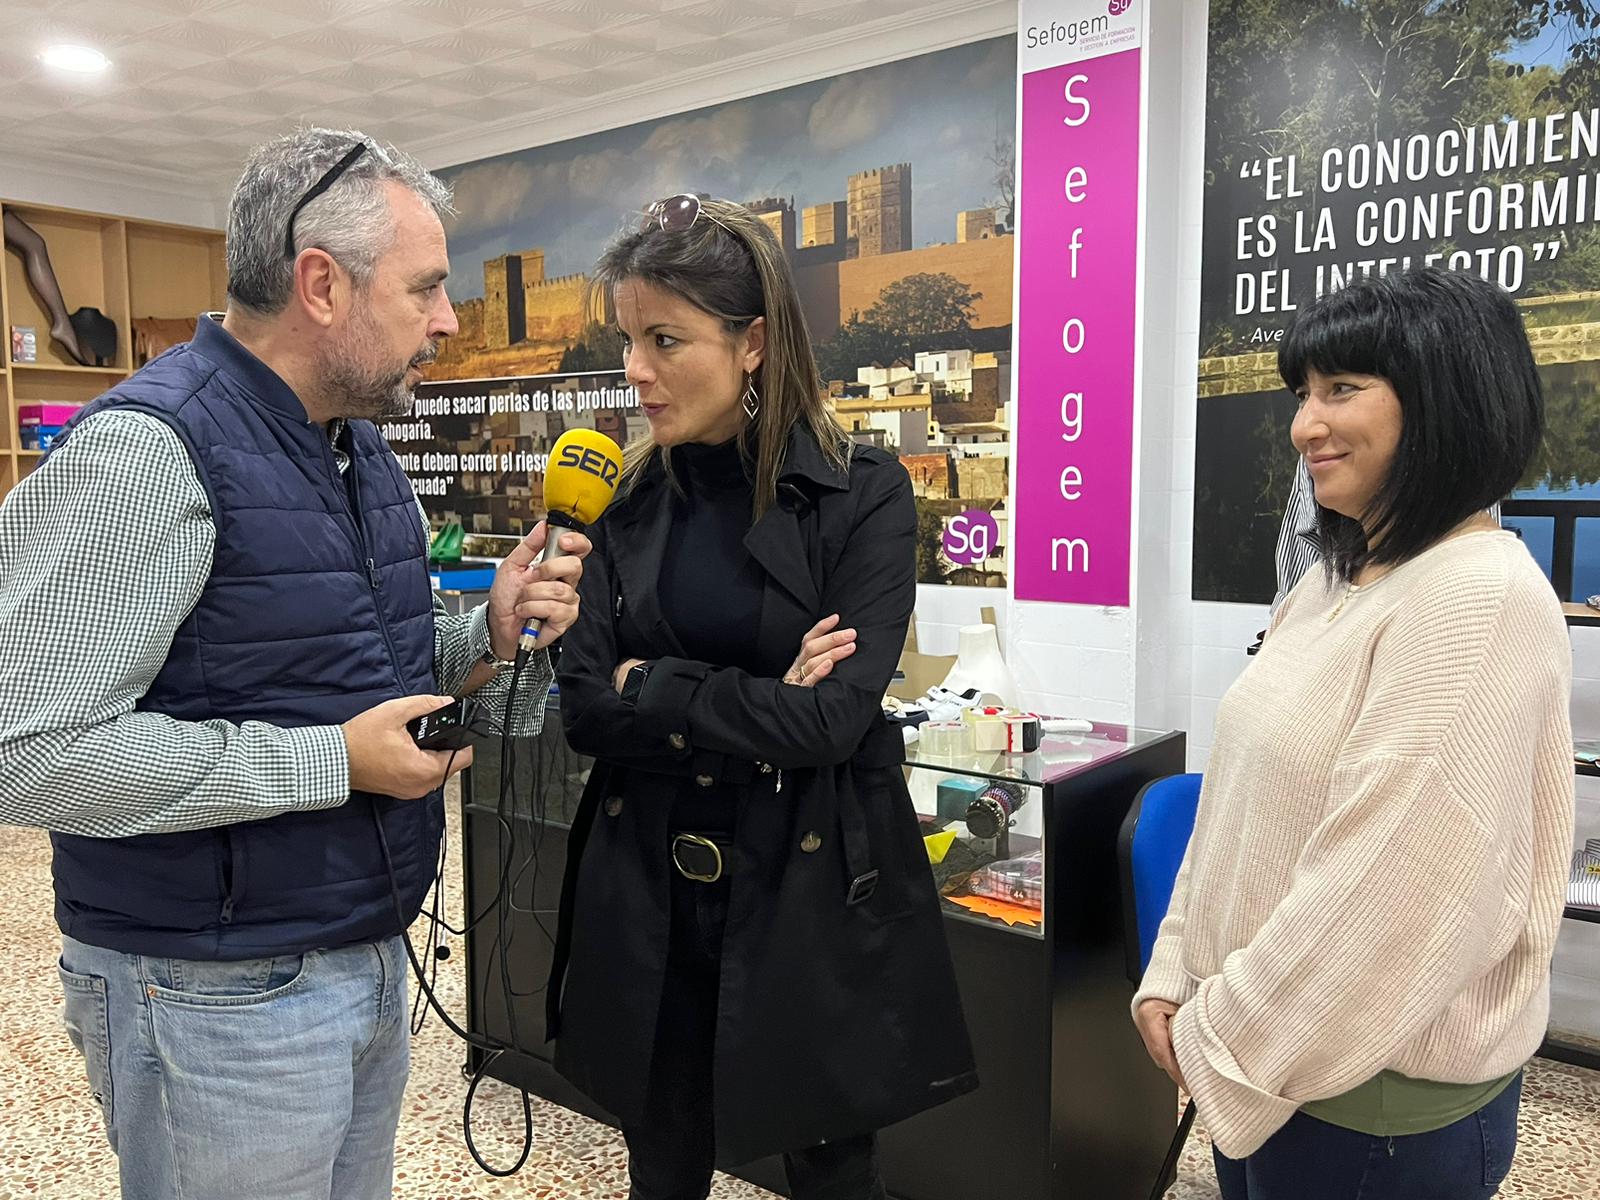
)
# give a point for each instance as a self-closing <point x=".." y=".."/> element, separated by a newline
<point x="275" y="1077"/>
<point x="1310" y="1159"/>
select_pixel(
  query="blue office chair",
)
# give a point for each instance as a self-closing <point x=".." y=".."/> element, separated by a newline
<point x="1150" y="846"/>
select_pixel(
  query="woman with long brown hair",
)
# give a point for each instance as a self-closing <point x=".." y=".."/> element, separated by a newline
<point x="752" y="958"/>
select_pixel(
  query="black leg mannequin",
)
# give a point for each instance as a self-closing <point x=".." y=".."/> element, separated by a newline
<point x="26" y="240"/>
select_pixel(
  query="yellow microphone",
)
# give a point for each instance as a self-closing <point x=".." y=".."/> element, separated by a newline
<point x="584" y="469"/>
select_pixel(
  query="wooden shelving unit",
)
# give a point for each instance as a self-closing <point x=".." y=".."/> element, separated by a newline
<point x="124" y="267"/>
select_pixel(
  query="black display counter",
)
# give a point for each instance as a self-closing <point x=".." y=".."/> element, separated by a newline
<point x="1069" y="1106"/>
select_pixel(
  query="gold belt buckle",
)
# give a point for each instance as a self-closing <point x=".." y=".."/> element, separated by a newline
<point x="697" y="840"/>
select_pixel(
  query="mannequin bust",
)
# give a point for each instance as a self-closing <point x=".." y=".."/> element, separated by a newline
<point x="979" y="664"/>
<point x="97" y="336"/>
<point x="26" y="241"/>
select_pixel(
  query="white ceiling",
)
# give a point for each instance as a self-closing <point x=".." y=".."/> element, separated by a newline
<point x="195" y="83"/>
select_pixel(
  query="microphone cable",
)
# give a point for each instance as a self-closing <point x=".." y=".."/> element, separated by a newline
<point x="501" y="906"/>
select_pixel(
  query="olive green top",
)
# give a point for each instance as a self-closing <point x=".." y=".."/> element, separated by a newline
<point x="1394" y="1105"/>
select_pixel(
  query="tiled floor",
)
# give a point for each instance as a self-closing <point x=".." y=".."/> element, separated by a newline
<point x="51" y="1144"/>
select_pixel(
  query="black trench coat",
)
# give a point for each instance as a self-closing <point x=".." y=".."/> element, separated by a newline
<point x="838" y="1012"/>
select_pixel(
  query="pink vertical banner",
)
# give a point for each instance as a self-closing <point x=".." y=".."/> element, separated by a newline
<point x="1077" y="308"/>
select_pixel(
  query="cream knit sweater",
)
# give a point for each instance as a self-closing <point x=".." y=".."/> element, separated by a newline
<point x="1378" y="869"/>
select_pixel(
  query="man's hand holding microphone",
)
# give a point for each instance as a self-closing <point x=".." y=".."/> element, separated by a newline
<point x="532" y="602"/>
<point x="533" y="587"/>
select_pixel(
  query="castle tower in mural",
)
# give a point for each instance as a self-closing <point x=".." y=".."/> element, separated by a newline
<point x="779" y="217"/>
<point x="844" y="254"/>
<point x="505" y="283"/>
<point x="879" y="211"/>
<point x="824" y="224"/>
<point x="975" y="225"/>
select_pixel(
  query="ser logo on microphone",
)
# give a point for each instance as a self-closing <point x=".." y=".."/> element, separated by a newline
<point x="590" y="461"/>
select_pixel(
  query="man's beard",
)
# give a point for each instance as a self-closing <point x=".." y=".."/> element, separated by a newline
<point x="356" y="390"/>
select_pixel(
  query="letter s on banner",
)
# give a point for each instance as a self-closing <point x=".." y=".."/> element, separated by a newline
<point x="1083" y="104"/>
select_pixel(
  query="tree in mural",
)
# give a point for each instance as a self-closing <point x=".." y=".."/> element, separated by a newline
<point x="1003" y="158"/>
<point x="925" y="305"/>
<point x="598" y="348"/>
<point x="1289" y="78"/>
<point x="930" y="536"/>
<point x="1576" y="25"/>
<point x="857" y="343"/>
<point x="920" y="312"/>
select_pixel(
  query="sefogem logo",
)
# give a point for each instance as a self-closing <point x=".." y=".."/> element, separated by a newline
<point x="971" y="537"/>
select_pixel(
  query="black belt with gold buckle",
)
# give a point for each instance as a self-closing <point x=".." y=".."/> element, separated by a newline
<point x="702" y="858"/>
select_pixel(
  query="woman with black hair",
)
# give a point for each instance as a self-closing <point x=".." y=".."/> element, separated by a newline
<point x="1355" y="964"/>
<point x="752" y="957"/>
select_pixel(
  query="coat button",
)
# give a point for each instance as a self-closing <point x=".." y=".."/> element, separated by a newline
<point x="704" y="780"/>
<point x="766" y="768"/>
<point x="613" y="806"/>
<point x="811" y="843"/>
<point x="677" y="741"/>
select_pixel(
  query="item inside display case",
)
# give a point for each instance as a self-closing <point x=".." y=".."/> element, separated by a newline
<point x="970" y="827"/>
<point x="989" y="815"/>
<point x="1017" y="880"/>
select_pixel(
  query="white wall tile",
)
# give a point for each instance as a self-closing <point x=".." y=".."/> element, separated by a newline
<point x="1575" y="1004"/>
<point x="940" y="605"/>
<point x="1185" y="420"/>
<point x="1180" y="510"/>
<point x="1202" y="720"/>
<point x="1183" y="464"/>
<point x="1183" y="569"/>
<point x="1578" y="953"/>
<point x="1587" y="824"/>
<point x="1216" y="668"/>
<point x="1074" y="672"/>
<point x="1228" y="625"/>
<point x="1073" y="625"/>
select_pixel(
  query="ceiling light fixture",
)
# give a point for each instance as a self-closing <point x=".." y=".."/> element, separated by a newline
<point x="83" y="60"/>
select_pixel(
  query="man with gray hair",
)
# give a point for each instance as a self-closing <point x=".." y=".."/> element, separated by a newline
<point x="215" y="624"/>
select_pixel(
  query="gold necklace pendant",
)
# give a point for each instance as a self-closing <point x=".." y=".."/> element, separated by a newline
<point x="1349" y="590"/>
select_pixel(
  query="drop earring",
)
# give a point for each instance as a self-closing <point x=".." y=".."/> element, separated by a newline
<point x="751" y="400"/>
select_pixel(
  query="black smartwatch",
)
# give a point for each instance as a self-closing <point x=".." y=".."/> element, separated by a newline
<point x="633" y="682"/>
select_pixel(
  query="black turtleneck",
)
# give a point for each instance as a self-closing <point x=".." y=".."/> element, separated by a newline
<point x="710" y="586"/>
<point x="711" y="591"/>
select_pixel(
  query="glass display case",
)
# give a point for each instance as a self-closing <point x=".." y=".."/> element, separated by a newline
<point x="1023" y="850"/>
<point x="984" y="818"/>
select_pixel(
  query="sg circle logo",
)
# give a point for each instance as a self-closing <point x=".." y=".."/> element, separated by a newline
<point x="971" y="537"/>
<point x="1117" y="7"/>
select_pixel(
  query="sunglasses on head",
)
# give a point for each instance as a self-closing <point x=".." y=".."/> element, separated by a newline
<point x="677" y="213"/>
<point x="329" y="178"/>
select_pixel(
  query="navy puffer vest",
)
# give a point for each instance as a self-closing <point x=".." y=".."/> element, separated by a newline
<point x="317" y="608"/>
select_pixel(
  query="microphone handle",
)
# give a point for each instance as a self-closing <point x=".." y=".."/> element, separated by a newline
<point x="557" y="522"/>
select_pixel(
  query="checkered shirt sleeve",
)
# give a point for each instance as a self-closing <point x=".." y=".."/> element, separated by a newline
<point x="104" y="551"/>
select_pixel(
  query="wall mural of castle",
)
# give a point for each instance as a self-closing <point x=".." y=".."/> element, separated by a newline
<point x="890" y="188"/>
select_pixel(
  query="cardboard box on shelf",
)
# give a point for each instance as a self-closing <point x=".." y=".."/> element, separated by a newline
<point x="39" y="437"/>
<point x="46" y="414"/>
<point x="38" y="424"/>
